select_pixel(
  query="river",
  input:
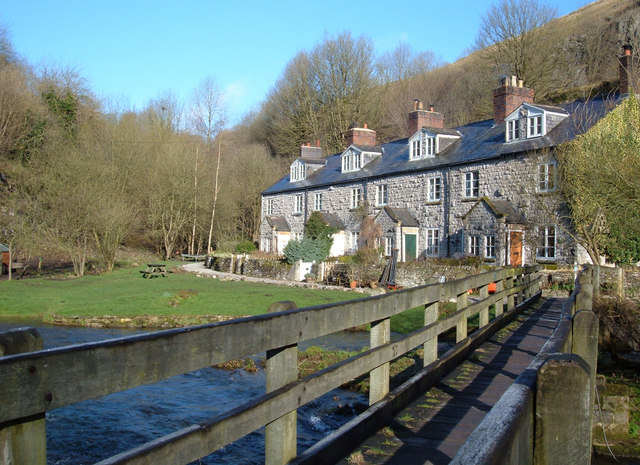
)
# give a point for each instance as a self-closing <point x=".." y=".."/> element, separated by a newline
<point x="93" y="430"/>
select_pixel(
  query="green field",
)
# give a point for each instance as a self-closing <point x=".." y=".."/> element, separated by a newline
<point x="125" y="293"/>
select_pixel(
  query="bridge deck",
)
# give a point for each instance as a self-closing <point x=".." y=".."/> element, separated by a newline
<point x="434" y="426"/>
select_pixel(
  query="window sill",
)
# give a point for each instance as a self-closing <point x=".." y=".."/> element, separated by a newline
<point x="297" y="213"/>
<point x="545" y="260"/>
<point x="434" y="202"/>
<point x="470" y="199"/>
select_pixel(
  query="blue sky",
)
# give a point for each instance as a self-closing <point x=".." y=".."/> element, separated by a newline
<point x="132" y="51"/>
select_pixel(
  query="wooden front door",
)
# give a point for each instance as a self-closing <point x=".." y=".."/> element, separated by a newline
<point x="409" y="247"/>
<point x="515" y="248"/>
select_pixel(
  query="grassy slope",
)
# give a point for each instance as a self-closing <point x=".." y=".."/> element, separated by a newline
<point x="125" y="293"/>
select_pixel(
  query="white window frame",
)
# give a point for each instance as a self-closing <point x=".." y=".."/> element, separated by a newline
<point x="355" y="239"/>
<point x="298" y="171"/>
<point x="434" y="185"/>
<point x="269" y="207"/>
<point x="430" y="146"/>
<point x="317" y="201"/>
<point x="549" y="240"/>
<point x="547" y="177"/>
<point x="433" y="242"/>
<point x="351" y="161"/>
<point x="382" y="195"/>
<point x="490" y="246"/>
<point x="387" y="243"/>
<point x="514" y="131"/>
<point x="416" y="149"/>
<point x="356" y="197"/>
<point x="474" y="246"/>
<point x="298" y="203"/>
<point x="472" y="184"/>
<point x="534" y="126"/>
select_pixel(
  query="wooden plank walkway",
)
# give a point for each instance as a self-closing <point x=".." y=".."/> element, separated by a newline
<point x="433" y="427"/>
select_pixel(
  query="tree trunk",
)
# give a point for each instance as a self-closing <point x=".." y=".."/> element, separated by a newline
<point x="215" y="195"/>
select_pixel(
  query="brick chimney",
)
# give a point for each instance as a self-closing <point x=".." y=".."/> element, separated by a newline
<point x="420" y="118"/>
<point x="626" y="69"/>
<point x="360" y="136"/>
<point x="509" y="96"/>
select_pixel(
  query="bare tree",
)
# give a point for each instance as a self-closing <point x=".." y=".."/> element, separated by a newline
<point x="208" y="117"/>
<point x="509" y="35"/>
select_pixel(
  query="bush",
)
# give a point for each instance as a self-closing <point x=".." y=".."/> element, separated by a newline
<point x="245" y="247"/>
<point x="307" y="250"/>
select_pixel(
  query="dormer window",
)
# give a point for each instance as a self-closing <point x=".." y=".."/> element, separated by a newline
<point x="423" y="144"/>
<point x="351" y="161"/>
<point x="298" y="171"/>
<point x="529" y="121"/>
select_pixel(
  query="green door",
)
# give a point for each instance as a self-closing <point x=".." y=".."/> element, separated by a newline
<point x="410" y="247"/>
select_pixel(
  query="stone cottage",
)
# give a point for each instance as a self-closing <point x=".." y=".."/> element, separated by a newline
<point x="483" y="189"/>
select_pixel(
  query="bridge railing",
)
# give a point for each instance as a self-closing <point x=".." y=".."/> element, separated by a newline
<point x="545" y="417"/>
<point x="35" y="382"/>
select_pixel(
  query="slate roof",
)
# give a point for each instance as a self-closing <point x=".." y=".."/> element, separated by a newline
<point x="333" y="220"/>
<point x="401" y="215"/>
<point x="501" y="208"/>
<point x="480" y="141"/>
<point x="3" y="248"/>
<point x="279" y="223"/>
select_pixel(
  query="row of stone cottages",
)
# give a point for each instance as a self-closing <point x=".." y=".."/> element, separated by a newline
<point x="483" y="189"/>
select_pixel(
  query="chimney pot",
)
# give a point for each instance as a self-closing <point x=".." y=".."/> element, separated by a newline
<point x="628" y="49"/>
<point x="431" y="107"/>
<point x="365" y="126"/>
<point x="509" y="96"/>
<point x="317" y="142"/>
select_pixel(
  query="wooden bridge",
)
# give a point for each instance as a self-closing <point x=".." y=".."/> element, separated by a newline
<point x="516" y="428"/>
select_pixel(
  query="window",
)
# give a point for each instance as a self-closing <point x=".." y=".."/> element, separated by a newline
<point x="423" y="145"/>
<point x="387" y="243"/>
<point x="513" y="129"/>
<point x="474" y="245"/>
<point x="534" y="126"/>
<point x="381" y="195"/>
<point x="298" y="171"/>
<point x="546" y="177"/>
<point x="351" y="161"/>
<point x="471" y="184"/>
<point x="356" y="197"/>
<point x="355" y="239"/>
<point x="415" y="149"/>
<point x="297" y="236"/>
<point x="298" y="204"/>
<point x="490" y="246"/>
<point x="435" y="189"/>
<point x="547" y="248"/>
<point x="430" y="143"/>
<point x="433" y="242"/>
<point x="269" y="207"/>
<point x="317" y="202"/>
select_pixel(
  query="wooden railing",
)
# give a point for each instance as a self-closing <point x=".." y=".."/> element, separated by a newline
<point x="35" y="382"/>
<point x="545" y="417"/>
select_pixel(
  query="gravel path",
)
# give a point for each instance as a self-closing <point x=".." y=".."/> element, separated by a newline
<point x="199" y="269"/>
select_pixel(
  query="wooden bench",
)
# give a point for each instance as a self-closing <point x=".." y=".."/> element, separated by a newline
<point x="195" y="258"/>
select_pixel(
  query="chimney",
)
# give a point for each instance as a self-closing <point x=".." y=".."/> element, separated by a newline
<point x="626" y="69"/>
<point x="307" y="151"/>
<point x="509" y="96"/>
<point x="419" y="118"/>
<point x="360" y="136"/>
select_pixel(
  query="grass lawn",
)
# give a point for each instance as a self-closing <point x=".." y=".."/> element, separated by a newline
<point x="125" y="293"/>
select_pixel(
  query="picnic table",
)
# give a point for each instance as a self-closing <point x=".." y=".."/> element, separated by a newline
<point x="154" y="270"/>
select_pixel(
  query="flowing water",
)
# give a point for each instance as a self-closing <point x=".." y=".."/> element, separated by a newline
<point x="93" y="430"/>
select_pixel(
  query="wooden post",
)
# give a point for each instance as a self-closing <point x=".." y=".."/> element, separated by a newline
<point x="511" y="298"/>
<point x="281" y="368"/>
<point x="483" y="318"/>
<point x="431" y="346"/>
<point x="563" y="412"/>
<point x="584" y="299"/>
<point x="585" y="331"/>
<point x="379" y="377"/>
<point x="25" y="441"/>
<point x="461" y="325"/>
<point x="500" y="286"/>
